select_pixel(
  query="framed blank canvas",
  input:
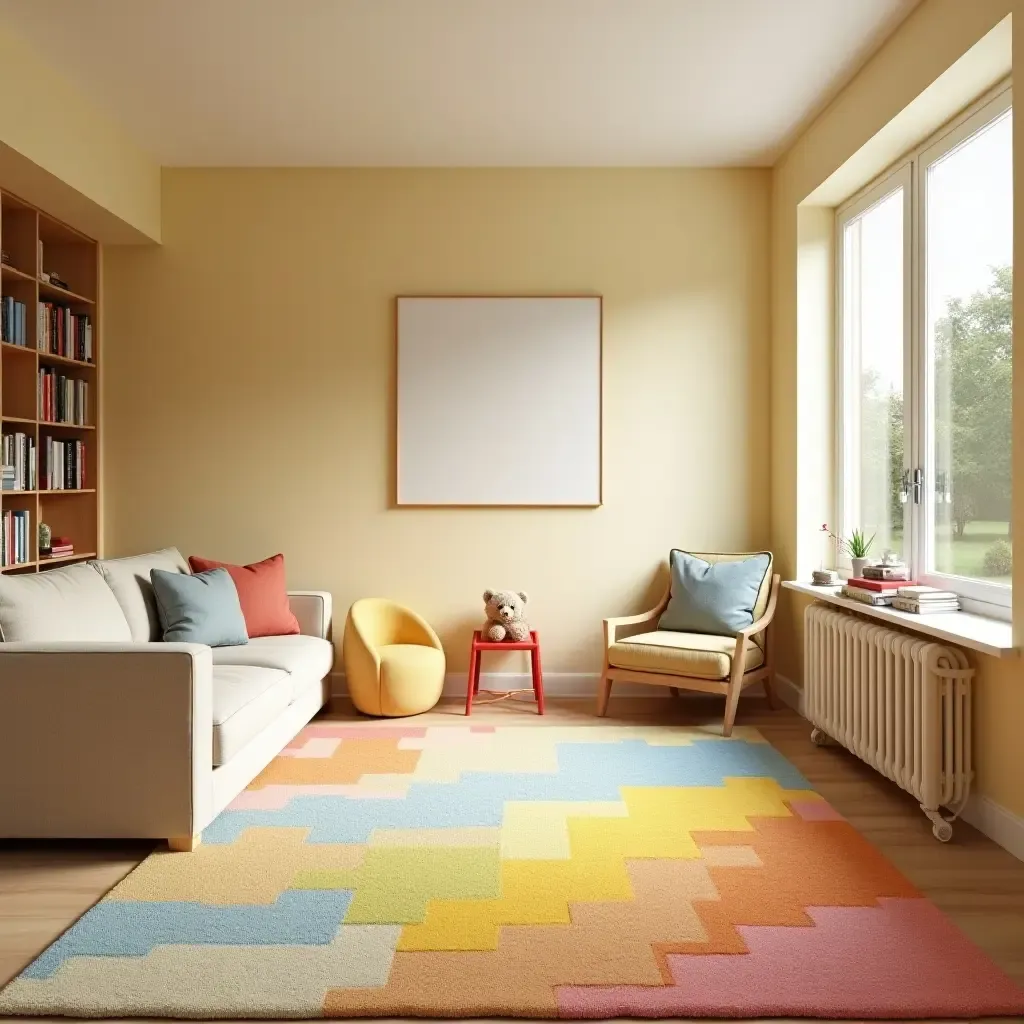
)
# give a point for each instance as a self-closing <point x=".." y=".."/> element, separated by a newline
<point x="499" y="401"/>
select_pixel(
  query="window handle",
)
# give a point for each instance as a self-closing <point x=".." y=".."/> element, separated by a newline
<point x="911" y="486"/>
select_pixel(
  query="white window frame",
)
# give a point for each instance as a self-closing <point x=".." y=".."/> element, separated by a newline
<point x="910" y="174"/>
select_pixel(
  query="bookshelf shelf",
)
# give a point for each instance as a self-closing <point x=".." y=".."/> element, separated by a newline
<point x="49" y="357"/>
<point x="6" y="270"/>
<point x="50" y="560"/>
<point x="55" y="292"/>
<point x="65" y="321"/>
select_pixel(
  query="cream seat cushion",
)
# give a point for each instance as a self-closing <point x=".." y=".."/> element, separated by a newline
<point x="246" y="699"/>
<point x="305" y="657"/>
<point x="682" y="654"/>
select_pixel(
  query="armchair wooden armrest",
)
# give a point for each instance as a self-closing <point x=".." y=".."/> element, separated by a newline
<point x="615" y="629"/>
<point x="765" y="621"/>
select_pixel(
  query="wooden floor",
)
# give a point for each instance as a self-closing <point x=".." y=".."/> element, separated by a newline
<point x="44" y="887"/>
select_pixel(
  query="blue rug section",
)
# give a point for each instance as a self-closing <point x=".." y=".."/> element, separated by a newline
<point x="587" y="772"/>
<point x="116" y="928"/>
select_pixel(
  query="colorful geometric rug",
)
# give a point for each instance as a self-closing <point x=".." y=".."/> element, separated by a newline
<point x="455" y="871"/>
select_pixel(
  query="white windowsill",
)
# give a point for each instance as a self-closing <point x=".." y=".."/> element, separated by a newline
<point x="978" y="632"/>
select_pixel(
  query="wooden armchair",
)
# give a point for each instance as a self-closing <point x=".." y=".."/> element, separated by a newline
<point x="636" y="651"/>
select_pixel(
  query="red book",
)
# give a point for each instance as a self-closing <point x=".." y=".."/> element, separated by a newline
<point x="879" y="586"/>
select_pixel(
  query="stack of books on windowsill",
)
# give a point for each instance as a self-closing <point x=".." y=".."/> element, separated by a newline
<point x="925" y="600"/>
<point x="873" y="592"/>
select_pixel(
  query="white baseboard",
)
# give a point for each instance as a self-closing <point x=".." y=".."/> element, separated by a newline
<point x="566" y="685"/>
<point x="1002" y="826"/>
<point x="789" y="693"/>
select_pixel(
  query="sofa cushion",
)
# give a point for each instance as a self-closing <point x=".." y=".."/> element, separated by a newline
<point x="305" y="657"/>
<point x="70" y="603"/>
<point x="199" y="609"/>
<point x="682" y="654"/>
<point x="246" y="699"/>
<point x="129" y="579"/>
<point x="263" y="591"/>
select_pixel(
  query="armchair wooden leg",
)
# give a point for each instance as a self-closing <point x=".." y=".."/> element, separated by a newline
<point x="604" y="691"/>
<point x="185" y="844"/>
<point x="674" y="690"/>
<point x="732" y="700"/>
<point x="769" y="692"/>
<point x="732" y="694"/>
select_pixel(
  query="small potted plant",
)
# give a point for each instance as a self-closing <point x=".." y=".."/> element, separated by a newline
<point x="856" y="547"/>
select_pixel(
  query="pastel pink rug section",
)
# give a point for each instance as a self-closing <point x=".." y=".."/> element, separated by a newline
<point x="362" y="732"/>
<point x="815" y="810"/>
<point x="317" y="747"/>
<point x="902" y="959"/>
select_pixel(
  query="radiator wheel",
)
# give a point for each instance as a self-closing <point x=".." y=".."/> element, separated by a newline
<point x="943" y="831"/>
<point x="819" y="738"/>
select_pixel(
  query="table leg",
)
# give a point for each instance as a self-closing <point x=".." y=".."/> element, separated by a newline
<point x="474" y="658"/>
<point x="538" y="678"/>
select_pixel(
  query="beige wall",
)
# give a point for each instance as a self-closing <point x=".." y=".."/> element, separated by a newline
<point x="935" y="36"/>
<point x="249" y="365"/>
<point x="66" y="156"/>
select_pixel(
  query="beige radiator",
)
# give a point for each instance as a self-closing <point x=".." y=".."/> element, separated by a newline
<point x="899" y="702"/>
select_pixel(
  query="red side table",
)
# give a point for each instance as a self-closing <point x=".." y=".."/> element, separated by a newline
<point x="480" y="645"/>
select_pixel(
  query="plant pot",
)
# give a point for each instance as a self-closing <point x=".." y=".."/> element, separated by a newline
<point x="858" y="565"/>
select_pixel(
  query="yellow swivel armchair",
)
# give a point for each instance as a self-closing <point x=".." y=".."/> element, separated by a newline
<point x="394" y="662"/>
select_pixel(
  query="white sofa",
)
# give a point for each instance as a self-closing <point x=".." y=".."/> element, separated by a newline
<point x="107" y="732"/>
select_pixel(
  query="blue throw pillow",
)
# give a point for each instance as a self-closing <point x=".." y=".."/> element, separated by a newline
<point x="199" y="609"/>
<point x="716" y="598"/>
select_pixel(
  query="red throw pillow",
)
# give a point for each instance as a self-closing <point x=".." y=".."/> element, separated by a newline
<point x="261" y="592"/>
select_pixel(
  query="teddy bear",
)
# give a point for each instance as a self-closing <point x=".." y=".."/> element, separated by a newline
<point x="505" y="619"/>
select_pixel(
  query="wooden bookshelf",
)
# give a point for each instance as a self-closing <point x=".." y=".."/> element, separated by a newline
<point x="73" y="513"/>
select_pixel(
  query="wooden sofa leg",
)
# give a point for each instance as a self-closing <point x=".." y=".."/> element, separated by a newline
<point x="184" y="844"/>
<point x="603" y="693"/>
<point x="674" y="690"/>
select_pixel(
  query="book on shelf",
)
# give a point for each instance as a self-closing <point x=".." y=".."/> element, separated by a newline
<point x="15" y="542"/>
<point x="867" y="596"/>
<point x="60" y="547"/>
<point x="61" y="332"/>
<point x="908" y="604"/>
<point x="12" y="321"/>
<point x="878" y="586"/>
<point x="62" y="399"/>
<point x="64" y="465"/>
<point x="18" y="462"/>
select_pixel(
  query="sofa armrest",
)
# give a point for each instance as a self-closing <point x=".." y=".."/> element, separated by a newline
<point x="105" y="739"/>
<point x="313" y="610"/>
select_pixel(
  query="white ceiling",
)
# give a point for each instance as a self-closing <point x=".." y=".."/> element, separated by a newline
<point x="458" y="82"/>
